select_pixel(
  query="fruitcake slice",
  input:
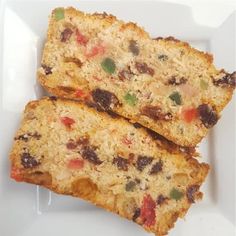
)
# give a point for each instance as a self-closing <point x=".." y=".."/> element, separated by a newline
<point x="163" y="84"/>
<point x="72" y="149"/>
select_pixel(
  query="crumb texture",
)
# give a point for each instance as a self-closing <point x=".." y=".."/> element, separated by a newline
<point x="73" y="149"/>
<point x="163" y="84"/>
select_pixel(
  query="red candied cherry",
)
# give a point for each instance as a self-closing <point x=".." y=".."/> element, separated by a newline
<point x="96" y="50"/>
<point x="16" y="174"/>
<point x="80" y="93"/>
<point x="67" y="121"/>
<point x="75" y="164"/>
<point x="189" y="114"/>
<point x="126" y="140"/>
<point x="148" y="214"/>
<point x="80" y="38"/>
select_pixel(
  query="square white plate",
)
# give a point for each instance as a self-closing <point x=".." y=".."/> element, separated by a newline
<point x="27" y="210"/>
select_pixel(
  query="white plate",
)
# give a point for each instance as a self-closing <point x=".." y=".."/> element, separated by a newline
<point x="27" y="210"/>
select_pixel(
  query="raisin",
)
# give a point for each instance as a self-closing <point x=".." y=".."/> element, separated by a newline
<point x="25" y="137"/>
<point x="163" y="57"/>
<point x="71" y="145"/>
<point x="130" y="186"/>
<point x="66" y="34"/>
<point x="229" y="80"/>
<point x="157" y="167"/>
<point x="148" y="214"/>
<point x="104" y="99"/>
<point x="83" y="141"/>
<point x="207" y="115"/>
<point x="53" y="98"/>
<point x="122" y="163"/>
<point x="143" y="68"/>
<point x="125" y="74"/>
<point x="155" y="113"/>
<point x="47" y="69"/>
<point x="28" y="161"/>
<point x="133" y="47"/>
<point x="191" y="190"/>
<point x="177" y="81"/>
<point x="137" y="125"/>
<point x="161" y="199"/>
<point x="90" y="155"/>
<point x="136" y="214"/>
<point x="142" y="162"/>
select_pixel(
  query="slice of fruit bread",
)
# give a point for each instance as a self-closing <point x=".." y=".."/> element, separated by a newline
<point x="163" y="84"/>
<point x="73" y="149"/>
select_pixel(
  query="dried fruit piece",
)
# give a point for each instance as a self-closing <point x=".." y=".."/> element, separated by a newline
<point x="96" y="50"/>
<point x="163" y="57"/>
<point x="67" y="121"/>
<point x="47" y="69"/>
<point x="28" y="161"/>
<point x="130" y="186"/>
<point x="161" y="199"/>
<point x="90" y="155"/>
<point x="143" y="161"/>
<point x="148" y="214"/>
<point x="133" y="47"/>
<point x="25" y="137"/>
<point x="130" y="99"/>
<point x="203" y="84"/>
<point x="157" y="167"/>
<point x="207" y="115"/>
<point x="66" y="34"/>
<point x="122" y="163"/>
<point x="75" y="164"/>
<point x="126" y="140"/>
<point x="71" y="145"/>
<point x="104" y="99"/>
<point x="125" y="74"/>
<point x="84" y="140"/>
<point x="155" y="113"/>
<point x="80" y="38"/>
<point x="177" y="81"/>
<point x="136" y="214"/>
<point x="176" y="194"/>
<point x="108" y="65"/>
<point x="16" y="174"/>
<point x="80" y="93"/>
<point x="189" y="114"/>
<point x="143" y="68"/>
<point x="59" y="14"/>
<point x="176" y="97"/>
<point x="229" y="80"/>
<point x="191" y="190"/>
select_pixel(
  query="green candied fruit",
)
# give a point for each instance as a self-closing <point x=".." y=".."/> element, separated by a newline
<point x="203" y="84"/>
<point x="108" y="65"/>
<point x="59" y="14"/>
<point x="130" y="186"/>
<point x="176" y="97"/>
<point x="131" y="99"/>
<point x="176" y="194"/>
